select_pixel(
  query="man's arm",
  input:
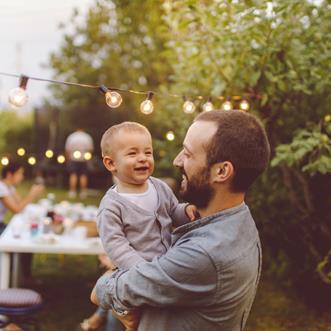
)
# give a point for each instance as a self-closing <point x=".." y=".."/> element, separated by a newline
<point x="184" y="276"/>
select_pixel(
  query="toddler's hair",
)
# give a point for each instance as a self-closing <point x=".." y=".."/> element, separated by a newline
<point x="108" y="137"/>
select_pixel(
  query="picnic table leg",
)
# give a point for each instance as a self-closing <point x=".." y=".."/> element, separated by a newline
<point x="4" y="270"/>
<point x="16" y="269"/>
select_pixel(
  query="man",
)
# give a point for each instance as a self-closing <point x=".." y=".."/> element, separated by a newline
<point x="78" y="147"/>
<point x="207" y="280"/>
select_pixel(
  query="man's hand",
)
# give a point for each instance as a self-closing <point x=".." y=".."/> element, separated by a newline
<point x="93" y="297"/>
<point x="192" y="212"/>
<point x="130" y="320"/>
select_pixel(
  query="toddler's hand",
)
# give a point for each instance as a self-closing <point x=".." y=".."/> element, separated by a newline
<point x="192" y="212"/>
<point x="106" y="262"/>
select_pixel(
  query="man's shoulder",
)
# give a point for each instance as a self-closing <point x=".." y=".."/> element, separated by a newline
<point x="227" y="238"/>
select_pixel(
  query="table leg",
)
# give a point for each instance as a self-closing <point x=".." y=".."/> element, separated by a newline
<point x="16" y="269"/>
<point x="4" y="270"/>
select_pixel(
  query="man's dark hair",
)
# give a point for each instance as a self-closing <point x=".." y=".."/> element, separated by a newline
<point x="240" y="139"/>
<point x="11" y="168"/>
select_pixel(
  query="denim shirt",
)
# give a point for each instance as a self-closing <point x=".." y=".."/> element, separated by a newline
<point x="207" y="280"/>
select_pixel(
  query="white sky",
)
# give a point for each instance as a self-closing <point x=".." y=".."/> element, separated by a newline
<point x="32" y="27"/>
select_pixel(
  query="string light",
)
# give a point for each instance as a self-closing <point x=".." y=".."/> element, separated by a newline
<point x="61" y="159"/>
<point x="49" y="153"/>
<point x="227" y="105"/>
<point x="188" y="106"/>
<point x="146" y="106"/>
<point x="18" y="96"/>
<point x="208" y="106"/>
<point x="244" y="105"/>
<point x="113" y="98"/>
<point x="170" y="136"/>
<point x="21" y="151"/>
<point x="32" y="160"/>
<point x="87" y="156"/>
<point x="77" y="155"/>
<point x="4" y="161"/>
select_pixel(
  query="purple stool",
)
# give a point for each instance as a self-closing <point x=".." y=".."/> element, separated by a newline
<point x="18" y="305"/>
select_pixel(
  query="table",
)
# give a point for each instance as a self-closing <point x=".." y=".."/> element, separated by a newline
<point x="65" y="244"/>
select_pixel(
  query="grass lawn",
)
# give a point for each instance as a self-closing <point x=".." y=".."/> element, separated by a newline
<point x="65" y="283"/>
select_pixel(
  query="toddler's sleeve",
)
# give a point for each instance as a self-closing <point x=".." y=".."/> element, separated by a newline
<point x="176" y="209"/>
<point x="114" y="242"/>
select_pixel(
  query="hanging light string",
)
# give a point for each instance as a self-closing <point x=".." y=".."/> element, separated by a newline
<point x="34" y="158"/>
<point x="18" y="96"/>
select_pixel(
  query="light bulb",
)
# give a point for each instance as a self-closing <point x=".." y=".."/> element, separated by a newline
<point x="77" y="155"/>
<point x="49" y="153"/>
<point x="61" y="159"/>
<point x="208" y="106"/>
<point x="146" y="106"/>
<point x="227" y="105"/>
<point x="21" y="151"/>
<point x="32" y="160"/>
<point x="188" y="107"/>
<point x="170" y="136"/>
<point x="87" y="156"/>
<point x="113" y="99"/>
<point x="244" y="105"/>
<point x="18" y="97"/>
<point x="4" y="161"/>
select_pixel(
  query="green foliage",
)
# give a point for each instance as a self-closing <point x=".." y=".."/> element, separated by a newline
<point x="310" y="151"/>
<point x="15" y="131"/>
<point x="278" y="52"/>
<point x="114" y="45"/>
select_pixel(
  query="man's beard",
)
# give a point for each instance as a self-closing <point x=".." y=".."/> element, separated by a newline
<point x="198" y="191"/>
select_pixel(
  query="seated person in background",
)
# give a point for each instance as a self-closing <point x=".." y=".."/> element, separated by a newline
<point x="13" y="175"/>
<point x="136" y="215"/>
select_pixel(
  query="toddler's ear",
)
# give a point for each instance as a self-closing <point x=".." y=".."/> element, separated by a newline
<point x="109" y="163"/>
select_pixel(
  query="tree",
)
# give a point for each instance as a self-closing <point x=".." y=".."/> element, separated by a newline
<point x="278" y="54"/>
<point x="114" y="45"/>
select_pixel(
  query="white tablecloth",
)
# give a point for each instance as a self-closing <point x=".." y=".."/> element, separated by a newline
<point x="64" y="244"/>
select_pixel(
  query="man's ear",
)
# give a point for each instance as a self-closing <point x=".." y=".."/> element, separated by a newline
<point x="222" y="172"/>
<point x="109" y="163"/>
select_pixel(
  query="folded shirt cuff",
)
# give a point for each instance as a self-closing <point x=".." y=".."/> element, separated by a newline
<point x="106" y="291"/>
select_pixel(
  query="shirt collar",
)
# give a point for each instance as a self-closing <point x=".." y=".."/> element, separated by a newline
<point x="202" y="221"/>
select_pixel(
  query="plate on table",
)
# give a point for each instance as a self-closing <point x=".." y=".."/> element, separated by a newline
<point x="46" y="239"/>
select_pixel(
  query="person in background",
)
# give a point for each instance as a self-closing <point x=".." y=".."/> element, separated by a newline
<point x="77" y="147"/>
<point x="10" y="199"/>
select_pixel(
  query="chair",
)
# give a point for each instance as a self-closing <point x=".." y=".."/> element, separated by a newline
<point x="19" y="305"/>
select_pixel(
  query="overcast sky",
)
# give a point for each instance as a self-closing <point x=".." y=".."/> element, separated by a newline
<point x="28" y="33"/>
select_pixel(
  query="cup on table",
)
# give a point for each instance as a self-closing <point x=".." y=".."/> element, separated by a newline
<point x="17" y="229"/>
<point x="80" y="232"/>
